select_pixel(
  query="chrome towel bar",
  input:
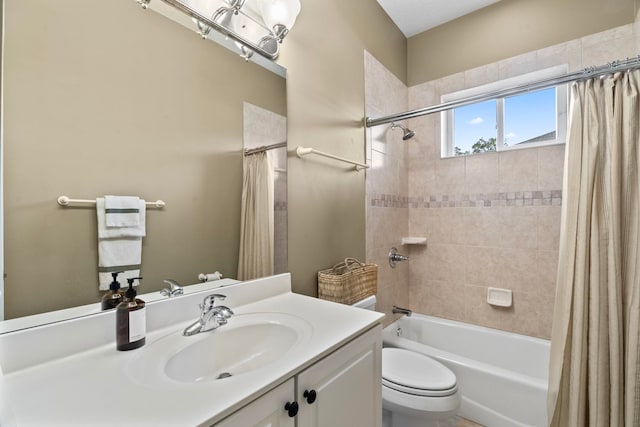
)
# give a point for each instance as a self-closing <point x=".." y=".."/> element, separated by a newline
<point x="66" y="201"/>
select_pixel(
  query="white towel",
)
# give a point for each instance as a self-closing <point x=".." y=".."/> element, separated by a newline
<point x="124" y="255"/>
<point x="119" y="248"/>
<point x="106" y="232"/>
<point x="122" y="211"/>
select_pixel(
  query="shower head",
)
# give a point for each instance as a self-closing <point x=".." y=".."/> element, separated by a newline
<point x="407" y="133"/>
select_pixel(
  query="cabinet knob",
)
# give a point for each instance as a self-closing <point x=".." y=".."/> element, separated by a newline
<point x="291" y="408"/>
<point x="310" y="395"/>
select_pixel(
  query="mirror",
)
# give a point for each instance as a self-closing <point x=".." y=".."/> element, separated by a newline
<point x="266" y="131"/>
<point x="107" y="98"/>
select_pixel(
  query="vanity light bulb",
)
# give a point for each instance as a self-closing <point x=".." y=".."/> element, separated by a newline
<point x="279" y="12"/>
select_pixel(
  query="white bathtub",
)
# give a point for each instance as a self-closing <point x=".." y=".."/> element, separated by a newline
<point x="502" y="376"/>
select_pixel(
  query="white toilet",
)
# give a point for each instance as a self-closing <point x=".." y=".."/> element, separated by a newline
<point x="416" y="389"/>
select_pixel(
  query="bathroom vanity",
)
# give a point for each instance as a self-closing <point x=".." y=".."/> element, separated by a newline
<point x="282" y="360"/>
<point x="339" y="390"/>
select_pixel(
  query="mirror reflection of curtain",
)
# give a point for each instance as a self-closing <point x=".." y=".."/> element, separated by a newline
<point x="256" y="221"/>
<point x="594" y="375"/>
<point x="279" y="161"/>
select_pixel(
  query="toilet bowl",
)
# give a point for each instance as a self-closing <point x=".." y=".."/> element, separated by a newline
<point x="416" y="389"/>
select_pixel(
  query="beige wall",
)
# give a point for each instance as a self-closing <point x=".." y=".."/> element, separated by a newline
<point x="105" y="98"/>
<point x="325" y="97"/>
<point x="509" y="28"/>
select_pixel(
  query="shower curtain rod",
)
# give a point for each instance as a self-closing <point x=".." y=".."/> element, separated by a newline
<point x="251" y="151"/>
<point x="611" y="67"/>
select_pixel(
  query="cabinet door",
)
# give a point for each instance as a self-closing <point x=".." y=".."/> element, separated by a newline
<point x="344" y="389"/>
<point x="266" y="411"/>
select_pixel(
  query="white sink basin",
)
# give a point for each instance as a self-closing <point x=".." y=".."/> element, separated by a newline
<point x="247" y="343"/>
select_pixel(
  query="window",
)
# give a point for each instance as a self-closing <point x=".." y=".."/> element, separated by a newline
<point x="530" y="119"/>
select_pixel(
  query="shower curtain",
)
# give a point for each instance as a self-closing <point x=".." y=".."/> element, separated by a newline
<point x="256" y="219"/>
<point x="594" y="367"/>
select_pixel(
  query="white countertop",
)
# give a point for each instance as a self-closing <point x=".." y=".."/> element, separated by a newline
<point x="93" y="387"/>
<point x="90" y="309"/>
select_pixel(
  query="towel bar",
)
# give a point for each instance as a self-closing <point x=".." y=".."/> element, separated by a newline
<point x="303" y="151"/>
<point x="66" y="201"/>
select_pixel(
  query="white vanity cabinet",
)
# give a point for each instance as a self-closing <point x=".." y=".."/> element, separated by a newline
<point x="266" y="411"/>
<point x="347" y="386"/>
<point x="341" y="390"/>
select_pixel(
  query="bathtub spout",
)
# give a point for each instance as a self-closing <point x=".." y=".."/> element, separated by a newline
<point x="406" y="311"/>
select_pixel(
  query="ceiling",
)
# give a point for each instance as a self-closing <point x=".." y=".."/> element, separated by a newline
<point x="416" y="16"/>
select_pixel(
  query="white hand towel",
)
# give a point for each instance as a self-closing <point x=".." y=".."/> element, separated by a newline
<point x="105" y="232"/>
<point x="124" y="255"/>
<point x="119" y="248"/>
<point x="122" y="211"/>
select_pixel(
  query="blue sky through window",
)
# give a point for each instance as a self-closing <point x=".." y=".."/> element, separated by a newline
<point x="473" y="122"/>
<point x="529" y="116"/>
<point x="526" y="117"/>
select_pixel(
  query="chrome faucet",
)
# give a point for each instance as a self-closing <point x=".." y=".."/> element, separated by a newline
<point x="400" y="310"/>
<point x="210" y="317"/>
<point x="173" y="289"/>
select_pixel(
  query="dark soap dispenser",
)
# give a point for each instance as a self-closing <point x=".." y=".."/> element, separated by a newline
<point x="115" y="296"/>
<point x="131" y="321"/>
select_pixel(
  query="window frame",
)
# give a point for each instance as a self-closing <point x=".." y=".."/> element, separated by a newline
<point x="447" y="117"/>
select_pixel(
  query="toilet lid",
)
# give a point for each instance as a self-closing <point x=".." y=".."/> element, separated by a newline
<point x="415" y="373"/>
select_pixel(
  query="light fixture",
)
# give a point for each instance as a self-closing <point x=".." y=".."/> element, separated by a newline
<point x="255" y="25"/>
<point x="279" y="15"/>
<point x="245" y="52"/>
<point x="203" y="29"/>
<point x="234" y="4"/>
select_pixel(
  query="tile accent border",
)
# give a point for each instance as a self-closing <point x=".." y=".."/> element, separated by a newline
<point x="487" y="200"/>
<point x="389" y="201"/>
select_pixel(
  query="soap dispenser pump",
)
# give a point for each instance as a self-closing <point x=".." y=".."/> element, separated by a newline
<point x="115" y="296"/>
<point x="131" y="321"/>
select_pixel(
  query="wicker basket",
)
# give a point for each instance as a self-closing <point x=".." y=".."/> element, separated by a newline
<point x="348" y="282"/>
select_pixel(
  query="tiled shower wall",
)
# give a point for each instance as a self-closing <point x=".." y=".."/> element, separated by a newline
<point x="386" y="185"/>
<point x="491" y="219"/>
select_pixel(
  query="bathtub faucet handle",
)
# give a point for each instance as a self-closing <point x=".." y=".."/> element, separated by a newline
<point x="395" y="257"/>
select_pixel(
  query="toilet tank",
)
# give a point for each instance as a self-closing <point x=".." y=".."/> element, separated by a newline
<point x="368" y="303"/>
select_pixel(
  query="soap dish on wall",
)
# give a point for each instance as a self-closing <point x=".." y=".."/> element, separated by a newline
<point x="500" y="297"/>
<point x="414" y="240"/>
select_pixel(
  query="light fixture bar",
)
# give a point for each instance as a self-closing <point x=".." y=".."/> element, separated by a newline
<point x="221" y="29"/>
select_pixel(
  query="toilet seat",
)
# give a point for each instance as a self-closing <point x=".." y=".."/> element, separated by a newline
<point x="414" y="373"/>
<point x="419" y="392"/>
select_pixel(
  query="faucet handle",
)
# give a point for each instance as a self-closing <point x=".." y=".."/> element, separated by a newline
<point x="173" y="289"/>
<point x="224" y="311"/>
<point x="173" y="285"/>
<point x="210" y="301"/>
